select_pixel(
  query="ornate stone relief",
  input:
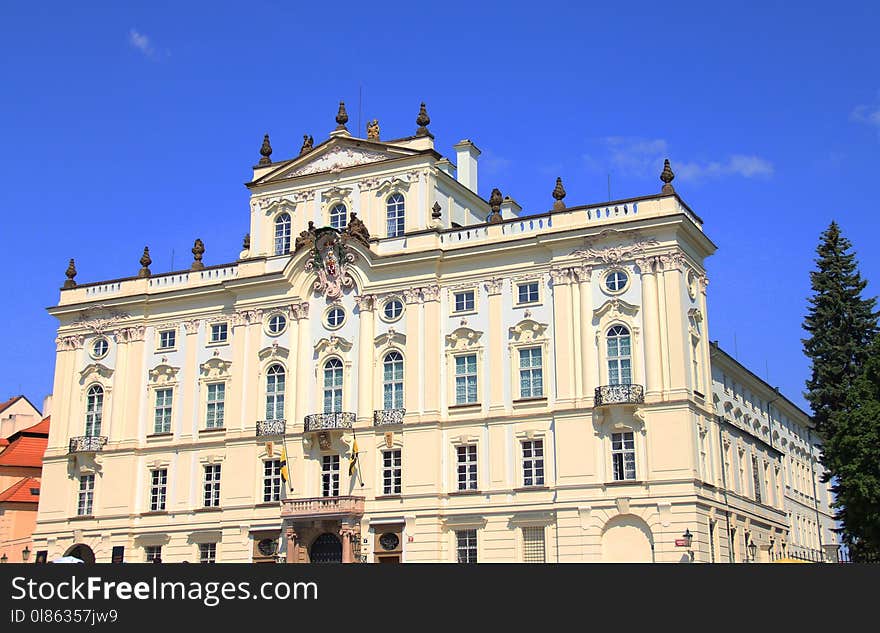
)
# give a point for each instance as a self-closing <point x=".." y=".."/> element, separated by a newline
<point x="673" y="260"/>
<point x="616" y="308"/>
<point x="67" y="343"/>
<point x="164" y="375"/>
<point x="98" y="324"/>
<point x="273" y="351"/>
<point x="365" y="303"/>
<point x="332" y="345"/>
<point x="299" y="310"/>
<point x="215" y="368"/>
<point x="412" y="295"/>
<point x="391" y="337"/>
<point x="431" y="293"/>
<point x="330" y="261"/>
<point x="462" y="338"/>
<point x="561" y="276"/>
<point x="395" y="183"/>
<point x="336" y="160"/>
<point x="527" y="330"/>
<point x="335" y="193"/>
<point x="191" y="326"/>
<point x="614" y="255"/>
<point x="96" y="370"/>
<point x="494" y="286"/>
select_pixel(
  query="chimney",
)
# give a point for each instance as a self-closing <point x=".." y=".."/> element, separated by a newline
<point x="510" y="208"/>
<point x="446" y="166"/>
<point x="466" y="163"/>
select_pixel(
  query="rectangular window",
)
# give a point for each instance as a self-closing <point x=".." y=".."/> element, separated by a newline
<point x="152" y="553"/>
<point x="158" y="489"/>
<point x="219" y="331"/>
<point x="212" y="485"/>
<point x="162" y="416"/>
<point x="464" y="301"/>
<point x="391" y="472"/>
<point x="271" y="480"/>
<point x="207" y="552"/>
<point x="531" y="374"/>
<point x="86" y="495"/>
<point x="623" y="456"/>
<point x="466" y="379"/>
<point x="330" y="476"/>
<point x="533" y="545"/>
<point x="533" y="463"/>
<point x="527" y="292"/>
<point x="467" y="467"/>
<point x="466" y="545"/>
<point x="216" y="399"/>
<point x="167" y="339"/>
<point x="756" y="478"/>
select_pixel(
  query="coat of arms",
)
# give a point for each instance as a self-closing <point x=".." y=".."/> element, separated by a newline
<point x="330" y="260"/>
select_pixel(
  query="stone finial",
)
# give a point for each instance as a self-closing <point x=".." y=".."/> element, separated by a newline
<point x="145" y="263"/>
<point x="308" y="144"/>
<point x="266" y="151"/>
<point x="435" y="211"/>
<point x="373" y="130"/>
<point x="246" y="243"/>
<point x="198" y="250"/>
<point x="558" y="195"/>
<point x="422" y="121"/>
<point x="495" y="200"/>
<point x="667" y="176"/>
<point x="70" y="273"/>
<point x="341" y="117"/>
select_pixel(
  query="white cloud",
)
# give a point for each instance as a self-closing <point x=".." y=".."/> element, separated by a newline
<point x="869" y="115"/>
<point x="141" y="42"/>
<point x="644" y="157"/>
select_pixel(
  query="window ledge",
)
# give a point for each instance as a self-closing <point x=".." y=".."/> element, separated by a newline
<point x="625" y="482"/>
<point x="462" y="313"/>
<point x="380" y="497"/>
<point x="466" y="406"/>
<point x="268" y="504"/>
<point x="162" y="350"/>
<point x="219" y="429"/>
<point x="152" y="513"/>
<point x="82" y="517"/>
<point x="530" y="304"/>
<point x="209" y="509"/>
<point x="536" y="400"/>
<point x="216" y="343"/>
<point x="464" y="493"/>
<point x="528" y="488"/>
<point x="159" y="435"/>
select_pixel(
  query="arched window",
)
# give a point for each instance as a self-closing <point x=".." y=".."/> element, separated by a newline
<point x="282" y="234"/>
<point x="338" y="216"/>
<point x="619" y="356"/>
<point x="394" y="207"/>
<point x="94" y="410"/>
<point x="333" y="386"/>
<point x="275" y="393"/>
<point x="392" y="381"/>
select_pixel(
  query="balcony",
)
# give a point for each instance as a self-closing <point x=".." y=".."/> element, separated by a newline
<point x="386" y="417"/>
<point x="619" y="394"/>
<point x="337" y="421"/>
<point x="270" y="427"/>
<point x="322" y="508"/>
<point x="86" y="444"/>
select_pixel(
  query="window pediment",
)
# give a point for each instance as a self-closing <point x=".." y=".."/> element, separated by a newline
<point x="273" y="352"/>
<point x="393" y="184"/>
<point x="616" y="308"/>
<point x="390" y="338"/>
<point x="95" y="371"/>
<point x="463" y="338"/>
<point x="164" y="374"/>
<point x="333" y="345"/>
<point x="527" y="330"/>
<point x="215" y="368"/>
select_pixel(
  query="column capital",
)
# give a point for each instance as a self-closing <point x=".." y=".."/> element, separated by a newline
<point x="583" y="272"/>
<point x="191" y="326"/>
<point x="673" y="260"/>
<point x="494" y="285"/>
<point x="431" y="293"/>
<point x="299" y="310"/>
<point x="646" y="264"/>
<point x="365" y="303"/>
<point x="412" y="295"/>
<point x="561" y="276"/>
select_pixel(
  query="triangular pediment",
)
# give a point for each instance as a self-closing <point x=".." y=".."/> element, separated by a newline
<point x="335" y="155"/>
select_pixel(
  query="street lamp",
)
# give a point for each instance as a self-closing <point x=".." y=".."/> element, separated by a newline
<point x="25" y="553"/>
<point x="752" y="549"/>
<point x="3" y="558"/>
<point x="688" y="539"/>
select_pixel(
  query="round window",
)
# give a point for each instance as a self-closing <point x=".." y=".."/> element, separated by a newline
<point x="389" y="541"/>
<point x="616" y="280"/>
<point x="276" y="324"/>
<point x="392" y="310"/>
<point x="335" y="317"/>
<point x="100" y="348"/>
<point x="267" y="546"/>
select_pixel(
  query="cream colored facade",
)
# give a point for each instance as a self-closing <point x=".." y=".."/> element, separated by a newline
<point x="622" y="472"/>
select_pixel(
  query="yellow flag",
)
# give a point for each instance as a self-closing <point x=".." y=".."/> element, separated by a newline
<point x="354" y="458"/>
<point x="284" y="475"/>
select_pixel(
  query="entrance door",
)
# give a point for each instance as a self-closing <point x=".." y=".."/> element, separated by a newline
<point x="82" y="552"/>
<point x="389" y="559"/>
<point x="327" y="548"/>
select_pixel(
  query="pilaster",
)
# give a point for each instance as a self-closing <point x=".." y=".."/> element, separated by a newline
<point x="676" y="323"/>
<point x="366" y="307"/>
<point x="414" y="387"/>
<point x="652" y="340"/>
<point x="496" y="345"/>
<point x="433" y="347"/>
<point x="562" y="325"/>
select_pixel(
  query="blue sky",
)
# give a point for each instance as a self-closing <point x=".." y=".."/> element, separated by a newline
<point x="133" y="124"/>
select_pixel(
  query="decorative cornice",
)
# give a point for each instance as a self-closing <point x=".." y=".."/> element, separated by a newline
<point x="614" y="255"/>
<point x="96" y="324"/>
<point x="336" y="160"/>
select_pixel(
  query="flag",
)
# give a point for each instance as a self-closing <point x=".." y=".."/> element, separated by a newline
<point x="352" y="464"/>
<point x="284" y="475"/>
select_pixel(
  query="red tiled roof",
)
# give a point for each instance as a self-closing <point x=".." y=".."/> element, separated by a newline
<point x="21" y="491"/>
<point x="24" y="450"/>
<point x="4" y="441"/>
<point x="41" y="428"/>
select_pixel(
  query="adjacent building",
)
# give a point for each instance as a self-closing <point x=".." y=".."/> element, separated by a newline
<point x="398" y="370"/>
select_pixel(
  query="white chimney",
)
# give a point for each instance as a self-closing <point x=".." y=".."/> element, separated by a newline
<point x="446" y="167"/>
<point x="466" y="163"/>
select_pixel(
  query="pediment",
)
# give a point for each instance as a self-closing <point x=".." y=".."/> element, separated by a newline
<point x="527" y="330"/>
<point x="336" y="155"/>
<point x="95" y="369"/>
<point x="616" y="307"/>
<point x="390" y="338"/>
<point x="463" y="338"/>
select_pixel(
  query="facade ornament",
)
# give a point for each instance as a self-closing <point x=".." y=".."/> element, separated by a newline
<point x="411" y="295"/>
<point x="99" y="324"/>
<point x="615" y="255"/>
<point x="341" y="117"/>
<point x="70" y="273"/>
<point x="135" y="333"/>
<point x="330" y="261"/>
<point x="191" y="326"/>
<point x="463" y="338"/>
<point x="246" y="242"/>
<point x="704" y="282"/>
<point x="373" y="130"/>
<point x="673" y="260"/>
<point x="365" y="303"/>
<point x="493" y="286"/>
<point x="308" y="144"/>
<point x="617" y="307"/>
<point x="435" y="211"/>
<point x="558" y="195"/>
<point x="495" y="200"/>
<point x="527" y="330"/>
<point x="300" y="310"/>
<point x="145" y="263"/>
<point x="306" y="239"/>
<point x="358" y="230"/>
<point x="266" y="151"/>
<point x="337" y="159"/>
<point x="583" y="272"/>
<point x="422" y="120"/>
<point x="431" y="293"/>
<point x="198" y="251"/>
<point x="646" y="264"/>
<point x="560" y="276"/>
<point x="667" y="176"/>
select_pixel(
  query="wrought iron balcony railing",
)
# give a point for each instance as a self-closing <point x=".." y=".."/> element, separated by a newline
<point x="86" y="444"/>
<point x="322" y="507"/>
<point x="619" y="394"/>
<point x="270" y="427"/>
<point x="329" y="421"/>
<point x="384" y="417"/>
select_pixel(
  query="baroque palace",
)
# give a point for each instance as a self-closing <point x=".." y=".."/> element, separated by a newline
<point x="397" y="370"/>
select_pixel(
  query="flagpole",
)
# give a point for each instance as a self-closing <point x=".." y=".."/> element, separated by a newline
<point x="287" y="459"/>
<point x="355" y="458"/>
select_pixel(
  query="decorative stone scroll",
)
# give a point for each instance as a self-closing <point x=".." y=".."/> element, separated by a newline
<point x="336" y="160"/>
<point x="330" y="261"/>
<point x="615" y="255"/>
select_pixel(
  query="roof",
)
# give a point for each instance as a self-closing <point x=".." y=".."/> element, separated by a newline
<point x="21" y="491"/>
<point x="13" y="400"/>
<point x="26" y="447"/>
